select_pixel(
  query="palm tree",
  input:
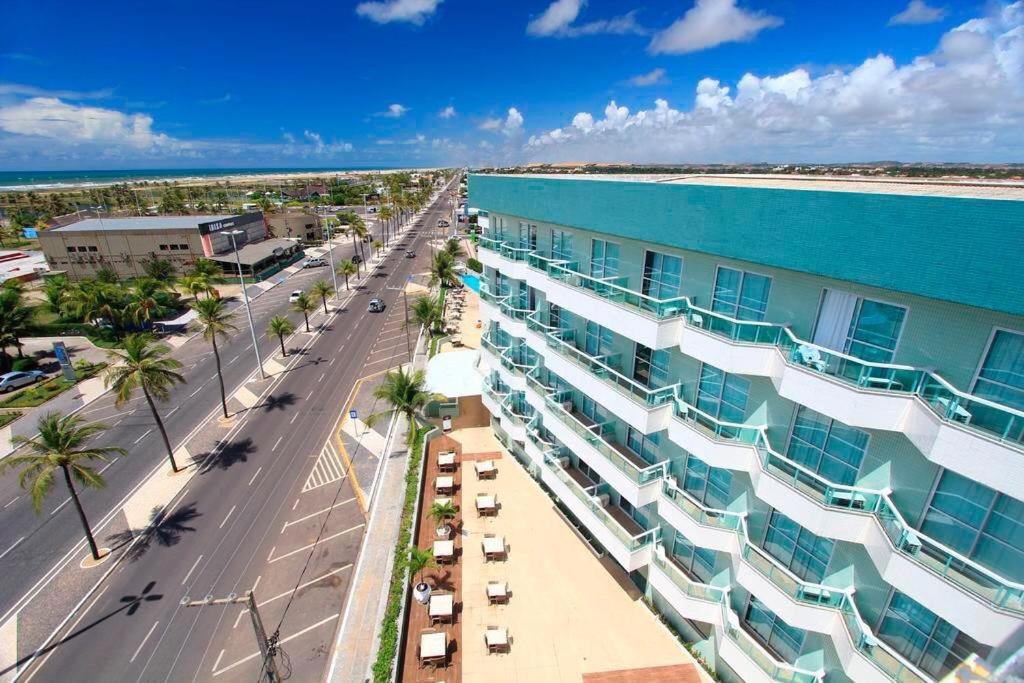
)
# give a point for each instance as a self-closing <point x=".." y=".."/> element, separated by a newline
<point x="304" y="304"/>
<point x="442" y="512"/>
<point x="53" y="290"/>
<point x="216" y="321"/>
<point x="442" y="269"/>
<point x="347" y="268"/>
<point x="385" y="214"/>
<point x="322" y="289"/>
<point x="405" y="392"/>
<point x="420" y="559"/>
<point x="425" y="311"/>
<point x="279" y="326"/>
<point x="144" y="365"/>
<point x="14" y="318"/>
<point x="453" y="248"/>
<point x="197" y="284"/>
<point x="377" y="246"/>
<point x="60" y="445"/>
<point x="205" y="266"/>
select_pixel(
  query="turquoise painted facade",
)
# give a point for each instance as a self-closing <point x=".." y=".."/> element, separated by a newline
<point x="965" y="251"/>
<point x="947" y="326"/>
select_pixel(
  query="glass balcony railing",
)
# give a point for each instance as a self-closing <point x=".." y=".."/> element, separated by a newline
<point x="800" y="591"/>
<point x="994" y="420"/>
<point x="946" y="562"/>
<point x="777" y="671"/>
<point x="632" y="543"/>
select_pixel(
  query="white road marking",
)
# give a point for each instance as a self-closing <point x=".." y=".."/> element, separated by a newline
<point x="198" y="560"/>
<point x="327" y="470"/>
<point x="332" y="360"/>
<point x="315" y="543"/>
<point x="291" y="421"/>
<point x="256" y="583"/>
<point x="139" y="648"/>
<point x="144" y="435"/>
<point x="196" y="392"/>
<point x="254" y="655"/>
<point x="234" y="359"/>
<point x="309" y="395"/>
<point x="15" y="545"/>
<point x="277" y="443"/>
<point x="314" y="514"/>
<point x="12" y="502"/>
<point x="271" y="553"/>
<point x="172" y="411"/>
<point x="296" y="505"/>
<point x="217" y="663"/>
<point x="255" y="475"/>
<point x="322" y="377"/>
<point x="57" y="509"/>
<point x="107" y="466"/>
<point x="227" y="516"/>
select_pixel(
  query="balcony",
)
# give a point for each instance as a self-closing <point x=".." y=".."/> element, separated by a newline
<point x="710" y="604"/>
<point x="986" y="606"/>
<point x="979" y="438"/>
<point x="627" y="542"/>
<point x="809" y="606"/>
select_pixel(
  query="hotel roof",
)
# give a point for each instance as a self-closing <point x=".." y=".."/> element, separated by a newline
<point x="977" y="189"/>
<point x="142" y="223"/>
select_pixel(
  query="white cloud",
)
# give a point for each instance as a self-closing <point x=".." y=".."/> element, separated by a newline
<point x="50" y="117"/>
<point x="387" y="11"/>
<point x="963" y="101"/>
<point x="448" y="112"/>
<point x="557" y="20"/>
<point x="710" y="23"/>
<point x="510" y="126"/>
<point x="918" y="12"/>
<point x="394" y="111"/>
<point x="223" y="99"/>
<point x="654" y="77"/>
<point x="32" y="91"/>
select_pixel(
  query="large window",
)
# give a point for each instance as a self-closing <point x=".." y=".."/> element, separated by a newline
<point x="709" y="485"/>
<point x="561" y="245"/>
<point x="644" y="445"/>
<point x="663" y="275"/>
<point x="699" y="562"/>
<point x="826" y="446"/>
<point x="928" y="642"/>
<point x="650" y="367"/>
<point x="739" y="294"/>
<point x="860" y="327"/>
<point x="802" y="552"/>
<point x="503" y="284"/>
<point x="1001" y="379"/>
<point x="527" y="236"/>
<point x="559" y="318"/>
<point x="781" y="638"/>
<point x="978" y="522"/>
<point x="598" y="340"/>
<point x="604" y="259"/>
<point x="722" y="395"/>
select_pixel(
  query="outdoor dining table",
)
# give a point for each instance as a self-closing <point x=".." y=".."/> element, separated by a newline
<point x="485" y="469"/>
<point x="444" y="551"/>
<point x="444" y="484"/>
<point x="442" y="608"/>
<point x="486" y="504"/>
<point x="496" y="639"/>
<point x="497" y="591"/>
<point x="494" y="547"/>
<point x="446" y="462"/>
<point x="434" y="648"/>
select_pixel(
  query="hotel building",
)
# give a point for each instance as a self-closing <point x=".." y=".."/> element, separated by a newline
<point x="792" y="409"/>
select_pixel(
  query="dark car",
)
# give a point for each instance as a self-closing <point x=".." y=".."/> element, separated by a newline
<point x="356" y="258"/>
<point x="409" y="253"/>
<point x="376" y="305"/>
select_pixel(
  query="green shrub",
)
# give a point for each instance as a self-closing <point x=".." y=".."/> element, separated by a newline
<point x="26" y="363"/>
<point x="8" y="418"/>
<point x="474" y="265"/>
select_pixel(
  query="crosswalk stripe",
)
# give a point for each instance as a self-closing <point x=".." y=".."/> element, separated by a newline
<point x="327" y="470"/>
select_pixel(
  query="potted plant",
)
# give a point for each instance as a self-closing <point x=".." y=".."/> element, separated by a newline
<point x="441" y="513"/>
<point x="418" y="561"/>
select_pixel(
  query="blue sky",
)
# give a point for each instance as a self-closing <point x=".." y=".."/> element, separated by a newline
<point x="420" y="82"/>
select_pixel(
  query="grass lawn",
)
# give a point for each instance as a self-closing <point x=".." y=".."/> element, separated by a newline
<point x="41" y="393"/>
<point x="8" y="418"/>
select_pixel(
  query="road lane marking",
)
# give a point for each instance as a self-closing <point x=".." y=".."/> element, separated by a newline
<point x="12" y="502"/>
<point x="322" y="377"/>
<point x="139" y="649"/>
<point x="309" y="395"/>
<point x="195" y="392"/>
<point x="234" y="359"/>
<point x="271" y="553"/>
<point x="15" y="545"/>
<point x="327" y="470"/>
<point x="296" y="504"/>
<point x="57" y="509"/>
<point x="172" y="411"/>
<point x="196" y="564"/>
<point x="255" y="475"/>
<point x="291" y="421"/>
<point x="333" y="358"/>
<point x="227" y="517"/>
<point x="107" y="466"/>
<point x="144" y="435"/>
<point x="217" y="663"/>
<point x="314" y="514"/>
<point x="282" y="641"/>
<point x="277" y="443"/>
<point x="315" y="543"/>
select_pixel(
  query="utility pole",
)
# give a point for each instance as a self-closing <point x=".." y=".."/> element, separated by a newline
<point x="405" y="301"/>
<point x="330" y="253"/>
<point x="268" y="649"/>
<point x="245" y="298"/>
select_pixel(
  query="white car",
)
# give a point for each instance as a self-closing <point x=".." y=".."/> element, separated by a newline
<point x="314" y="262"/>
<point x="12" y="380"/>
<point x="294" y="296"/>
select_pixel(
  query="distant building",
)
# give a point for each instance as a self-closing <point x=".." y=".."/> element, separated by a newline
<point x="21" y="265"/>
<point x="125" y="244"/>
<point x="296" y="223"/>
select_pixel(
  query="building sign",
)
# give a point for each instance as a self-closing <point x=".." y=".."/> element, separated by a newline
<point x="216" y="226"/>
<point x="61" y="353"/>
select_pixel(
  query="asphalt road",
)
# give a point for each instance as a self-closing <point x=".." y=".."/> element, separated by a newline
<point x="232" y="518"/>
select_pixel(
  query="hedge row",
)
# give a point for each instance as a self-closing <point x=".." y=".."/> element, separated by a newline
<point x="474" y="265"/>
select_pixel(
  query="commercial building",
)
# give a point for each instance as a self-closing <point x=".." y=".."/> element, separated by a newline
<point x="792" y="409"/>
<point x="295" y="222"/>
<point x="125" y="244"/>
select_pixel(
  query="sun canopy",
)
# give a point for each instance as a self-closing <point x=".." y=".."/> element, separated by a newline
<point x="454" y="374"/>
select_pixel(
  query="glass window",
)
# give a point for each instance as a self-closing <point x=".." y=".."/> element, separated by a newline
<point x="650" y="367"/>
<point x="781" y="638"/>
<point x="699" y="562"/>
<point x="663" y="275"/>
<point x="874" y="331"/>
<point x="928" y="642"/>
<point x="644" y="445"/>
<point x="588" y="470"/>
<point x="604" y="259"/>
<point x="978" y="522"/>
<point x="561" y="245"/>
<point x="802" y="552"/>
<point x="826" y="446"/>
<point x="739" y="294"/>
<point x="722" y="395"/>
<point x="503" y="283"/>
<point x="527" y="236"/>
<point x="1001" y="379"/>
<point x="598" y="340"/>
<point x="709" y="485"/>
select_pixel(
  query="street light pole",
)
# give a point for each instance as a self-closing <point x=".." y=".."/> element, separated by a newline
<point x="245" y="298"/>
<point x="405" y="300"/>
<point x="268" y="649"/>
<point x="330" y="253"/>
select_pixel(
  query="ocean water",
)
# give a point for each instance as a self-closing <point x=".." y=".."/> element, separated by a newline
<point x="49" y="180"/>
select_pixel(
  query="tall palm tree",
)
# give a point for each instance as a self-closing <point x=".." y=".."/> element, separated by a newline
<point x="61" y="446"/>
<point x="420" y="559"/>
<point x="280" y="326"/>
<point x="405" y="392"/>
<point x="442" y="270"/>
<point x="347" y="268"/>
<point x="205" y="266"/>
<point x="385" y="214"/>
<point x="144" y="364"/>
<point x="377" y="246"/>
<point x="15" y="316"/>
<point x="358" y="231"/>
<point x="53" y="290"/>
<point x="197" y="284"/>
<point x="453" y="248"/>
<point x="425" y="311"/>
<point x="216" y="321"/>
<point x="304" y="304"/>
<point x="322" y="289"/>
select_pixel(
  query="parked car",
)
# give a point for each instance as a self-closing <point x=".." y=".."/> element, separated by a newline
<point x="314" y="262"/>
<point x="376" y="305"/>
<point x="294" y="296"/>
<point x="356" y="258"/>
<point x="409" y="253"/>
<point x="10" y="381"/>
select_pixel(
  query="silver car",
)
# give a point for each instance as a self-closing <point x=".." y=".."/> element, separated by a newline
<point x="12" y="380"/>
